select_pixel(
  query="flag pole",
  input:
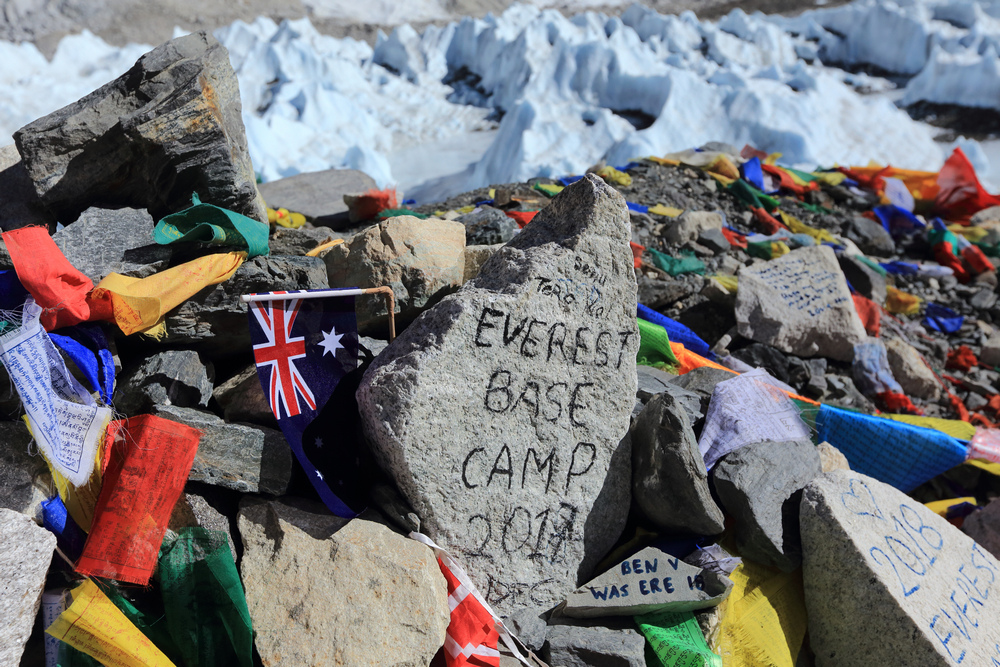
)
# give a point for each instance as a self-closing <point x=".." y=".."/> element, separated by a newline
<point x="390" y="299"/>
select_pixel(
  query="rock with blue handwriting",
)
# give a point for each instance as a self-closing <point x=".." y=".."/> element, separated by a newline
<point x="888" y="582"/>
<point x="800" y="303"/>
<point x="649" y="580"/>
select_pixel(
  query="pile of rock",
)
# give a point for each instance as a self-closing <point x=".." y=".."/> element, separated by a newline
<point x="508" y="421"/>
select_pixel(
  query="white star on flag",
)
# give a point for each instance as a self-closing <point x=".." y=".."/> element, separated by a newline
<point x="331" y="342"/>
<point x="319" y="474"/>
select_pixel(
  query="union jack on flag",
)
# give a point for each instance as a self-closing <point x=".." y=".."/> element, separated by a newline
<point x="279" y="353"/>
<point x="304" y="344"/>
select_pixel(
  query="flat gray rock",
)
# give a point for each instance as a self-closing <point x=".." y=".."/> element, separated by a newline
<point x="97" y="242"/>
<point x="649" y="580"/>
<point x="321" y="592"/>
<point x="241" y="457"/>
<point x="170" y="126"/>
<point x="25" y="553"/>
<point x="500" y="412"/>
<point x="758" y="486"/>
<point x="595" y="645"/>
<point x="653" y="381"/>
<point x="24" y="478"/>
<point x="171" y="377"/>
<point x="800" y="304"/>
<point x="669" y="479"/>
<point x="889" y="582"/>
<point x="318" y="195"/>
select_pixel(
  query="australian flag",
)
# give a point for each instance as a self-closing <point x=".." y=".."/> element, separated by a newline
<point x="303" y="347"/>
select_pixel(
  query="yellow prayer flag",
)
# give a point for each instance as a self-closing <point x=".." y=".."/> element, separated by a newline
<point x="140" y="304"/>
<point x="612" y="175"/>
<point x="323" y="246"/>
<point x="940" y="507"/>
<point x="763" y="619"/>
<point x="796" y="226"/>
<point x="898" y="302"/>
<point x="95" y="626"/>
<point x="668" y="211"/>
<point x="666" y="162"/>
<point x="953" y="427"/>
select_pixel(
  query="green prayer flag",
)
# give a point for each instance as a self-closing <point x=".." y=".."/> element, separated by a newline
<point x="396" y="212"/>
<point x="207" y="223"/>
<point x="203" y="599"/>
<point x="677" y="639"/>
<point x="675" y="266"/>
<point x="654" y="347"/>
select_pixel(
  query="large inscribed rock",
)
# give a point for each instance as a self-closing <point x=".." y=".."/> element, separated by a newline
<point x="500" y="412"/>
<point x="889" y="582"/>
<point x="800" y="303"/>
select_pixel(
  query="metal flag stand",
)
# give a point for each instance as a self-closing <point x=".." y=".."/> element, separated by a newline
<point x="390" y="299"/>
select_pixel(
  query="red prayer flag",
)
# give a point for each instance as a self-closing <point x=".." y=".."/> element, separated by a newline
<point x="522" y="218"/>
<point x="56" y="285"/>
<point x="144" y="478"/>
<point x="637" y="251"/>
<point x="960" y="195"/>
<point x="472" y="637"/>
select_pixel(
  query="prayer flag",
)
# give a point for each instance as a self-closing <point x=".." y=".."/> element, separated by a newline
<point x="303" y="346"/>
<point x="143" y="480"/>
<point x="65" y="421"/>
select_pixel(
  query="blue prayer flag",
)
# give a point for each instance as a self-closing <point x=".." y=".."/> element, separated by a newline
<point x="303" y="348"/>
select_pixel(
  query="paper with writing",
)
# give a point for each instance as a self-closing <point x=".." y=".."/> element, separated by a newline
<point x="65" y="421"/>
<point x="94" y="625"/>
<point x="151" y="461"/>
<point x="748" y="408"/>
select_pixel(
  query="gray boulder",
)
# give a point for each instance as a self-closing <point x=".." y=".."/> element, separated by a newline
<point x="500" y="412"/>
<point x="286" y="241"/>
<point x="487" y="226"/>
<point x="868" y="282"/>
<point x="800" y="304"/>
<point x="19" y="206"/>
<point x="421" y="260"/>
<point x="870" y="236"/>
<point x="97" y="242"/>
<point x="242" y="399"/>
<point x="172" y="377"/>
<point x="318" y="195"/>
<point x="984" y="527"/>
<point x="689" y="225"/>
<point x="241" y="457"/>
<point x="215" y="319"/>
<point x="887" y="581"/>
<point x="990" y="355"/>
<point x="910" y="371"/>
<point x="669" y="479"/>
<point x="324" y="593"/>
<point x="25" y="553"/>
<point x="758" y="485"/>
<point x="168" y="127"/>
